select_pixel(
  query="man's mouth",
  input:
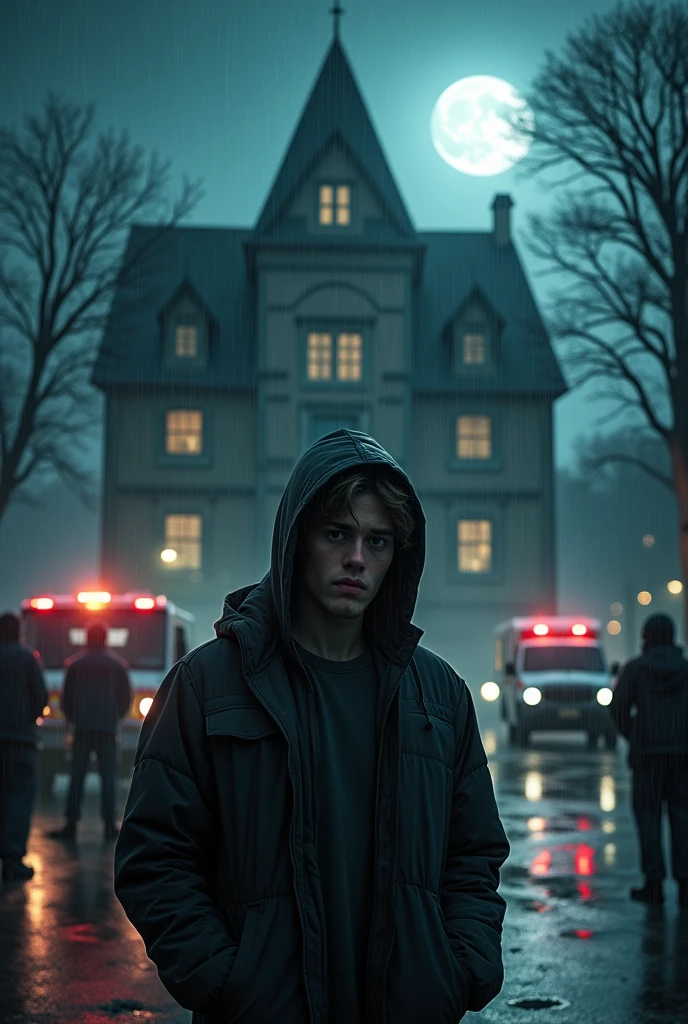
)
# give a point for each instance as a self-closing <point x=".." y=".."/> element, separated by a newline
<point x="350" y="586"/>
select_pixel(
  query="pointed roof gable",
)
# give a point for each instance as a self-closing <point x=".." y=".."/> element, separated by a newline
<point x="335" y="109"/>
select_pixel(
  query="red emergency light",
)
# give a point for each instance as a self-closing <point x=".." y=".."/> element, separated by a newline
<point x="544" y="629"/>
<point x="144" y="604"/>
<point x="42" y="604"/>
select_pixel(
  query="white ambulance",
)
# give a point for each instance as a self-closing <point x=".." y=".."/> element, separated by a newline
<point x="552" y="674"/>
<point x="149" y="632"/>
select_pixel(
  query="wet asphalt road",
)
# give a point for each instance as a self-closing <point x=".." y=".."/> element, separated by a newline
<point x="69" y="956"/>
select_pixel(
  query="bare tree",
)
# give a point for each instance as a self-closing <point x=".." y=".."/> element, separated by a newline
<point x="611" y="114"/>
<point x="67" y="199"/>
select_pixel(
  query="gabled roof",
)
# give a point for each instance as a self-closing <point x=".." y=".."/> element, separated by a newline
<point x="211" y="262"/>
<point x="334" y="110"/>
<point x="457" y="263"/>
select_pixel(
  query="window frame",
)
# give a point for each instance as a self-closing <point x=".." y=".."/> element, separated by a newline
<point x="344" y="327"/>
<point x="165" y="458"/>
<point x="472" y="465"/>
<point x="495" y="516"/>
<point x="334" y="184"/>
<point x="181" y="509"/>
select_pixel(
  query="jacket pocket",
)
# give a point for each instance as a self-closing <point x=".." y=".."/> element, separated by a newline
<point x="425" y="980"/>
<point x="246" y="723"/>
<point x="240" y="975"/>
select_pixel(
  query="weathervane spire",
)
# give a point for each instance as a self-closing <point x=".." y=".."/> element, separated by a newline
<point x="336" y="13"/>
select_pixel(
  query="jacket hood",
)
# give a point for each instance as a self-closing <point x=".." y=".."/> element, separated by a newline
<point x="664" y="668"/>
<point x="389" y="615"/>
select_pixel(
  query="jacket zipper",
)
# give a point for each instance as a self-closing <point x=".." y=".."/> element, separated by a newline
<point x="312" y="747"/>
<point x="377" y="802"/>
<point x="296" y="894"/>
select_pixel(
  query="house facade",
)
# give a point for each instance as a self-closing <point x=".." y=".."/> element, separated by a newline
<point x="241" y="346"/>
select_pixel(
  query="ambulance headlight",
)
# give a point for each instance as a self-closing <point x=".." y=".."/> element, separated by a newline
<point x="531" y="695"/>
<point x="604" y="696"/>
<point x="145" y="704"/>
<point x="489" y="691"/>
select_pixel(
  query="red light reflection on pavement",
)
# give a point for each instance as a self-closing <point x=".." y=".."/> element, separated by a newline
<point x="583" y="933"/>
<point x="584" y="860"/>
<point x="583" y="825"/>
<point x="541" y="863"/>
<point x="80" y="933"/>
<point x="584" y="891"/>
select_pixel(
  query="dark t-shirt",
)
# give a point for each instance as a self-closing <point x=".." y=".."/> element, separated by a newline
<point x="345" y="724"/>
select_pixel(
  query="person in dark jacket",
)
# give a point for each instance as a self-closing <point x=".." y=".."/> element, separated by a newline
<point x="96" y="695"/>
<point x="23" y="696"/>
<point x="650" y="708"/>
<point x="311" y="833"/>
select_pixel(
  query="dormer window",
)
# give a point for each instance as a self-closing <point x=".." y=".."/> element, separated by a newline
<point x="187" y="328"/>
<point x="474" y="348"/>
<point x="334" y="205"/>
<point x="186" y="341"/>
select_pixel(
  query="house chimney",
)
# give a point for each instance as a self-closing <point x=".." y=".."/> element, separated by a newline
<point x="501" y="219"/>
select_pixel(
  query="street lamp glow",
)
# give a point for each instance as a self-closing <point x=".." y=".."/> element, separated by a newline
<point x="644" y="597"/>
<point x="168" y="555"/>
<point x="616" y="608"/>
<point x="648" y="541"/>
<point x="614" y="627"/>
<point x="675" y="587"/>
<point x="489" y="691"/>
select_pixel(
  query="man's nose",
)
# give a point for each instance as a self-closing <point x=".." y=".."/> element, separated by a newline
<point x="355" y="554"/>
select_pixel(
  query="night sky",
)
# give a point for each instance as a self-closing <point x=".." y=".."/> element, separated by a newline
<point x="218" y="86"/>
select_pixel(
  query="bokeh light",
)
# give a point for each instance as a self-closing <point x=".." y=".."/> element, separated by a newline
<point x="644" y="597"/>
<point x="614" y="627"/>
<point x="674" y="587"/>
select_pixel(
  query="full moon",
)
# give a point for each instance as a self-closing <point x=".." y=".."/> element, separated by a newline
<point x="470" y="128"/>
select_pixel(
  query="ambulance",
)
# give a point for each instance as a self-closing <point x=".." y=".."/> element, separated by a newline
<point x="149" y="632"/>
<point x="552" y="674"/>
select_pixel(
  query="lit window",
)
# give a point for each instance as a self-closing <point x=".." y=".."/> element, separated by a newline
<point x="343" y="204"/>
<point x="473" y="437"/>
<point x="349" y="357"/>
<point x="319" y="356"/>
<point x="334" y="205"/>
<point x="184" y="432"/>
<point x="474" y="349"/>
<point x="186" y="341"/>
<point x="474" y="545"/>
<point x="183" y="535"/>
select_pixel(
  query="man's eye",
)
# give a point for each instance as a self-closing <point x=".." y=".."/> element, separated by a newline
<point x="381" y="542"/>
<point x="331" y="532"/>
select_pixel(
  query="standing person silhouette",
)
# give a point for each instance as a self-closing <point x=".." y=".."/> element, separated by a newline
<point x="311" y="833"/>
<point x="97" y="693"/>
<point x="23" y="696"/>
<point x="650" y="708"/>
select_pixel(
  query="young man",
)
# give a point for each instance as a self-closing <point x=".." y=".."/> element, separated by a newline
<point x="650" y="708"/>
<point x="311" y="834"/>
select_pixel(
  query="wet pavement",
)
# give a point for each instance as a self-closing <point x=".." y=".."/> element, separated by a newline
<point x="575" y="947"/>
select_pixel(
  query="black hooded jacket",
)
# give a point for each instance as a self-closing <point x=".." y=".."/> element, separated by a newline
<point x="650" y="704"/>
<point x="216" y="861"/>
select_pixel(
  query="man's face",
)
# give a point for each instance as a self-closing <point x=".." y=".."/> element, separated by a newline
<point x="346" y="561"/>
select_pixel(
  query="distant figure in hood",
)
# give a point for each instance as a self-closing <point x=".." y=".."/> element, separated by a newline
<point x="650" y="708"/>
<point x="22" y="698"/>
<point x="311" y="834"/>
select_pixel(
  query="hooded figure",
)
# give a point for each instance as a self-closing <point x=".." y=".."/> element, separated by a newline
<point x="650" y="708"/>
<point x="311" y="832"/>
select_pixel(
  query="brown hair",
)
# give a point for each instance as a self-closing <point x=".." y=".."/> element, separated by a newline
<point x="336" y="498"/>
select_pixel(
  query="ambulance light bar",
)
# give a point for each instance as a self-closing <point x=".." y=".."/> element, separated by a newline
<point x="541" y="629"/>
<point x="95" y="601"/>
